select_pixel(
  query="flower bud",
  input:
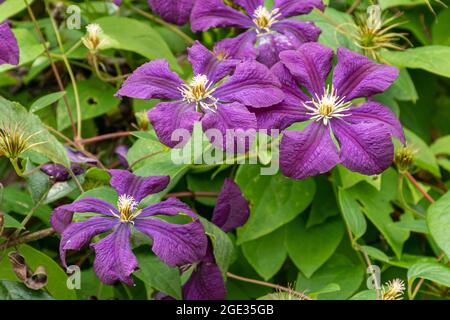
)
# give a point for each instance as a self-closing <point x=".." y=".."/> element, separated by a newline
<point x="404" y="158"/>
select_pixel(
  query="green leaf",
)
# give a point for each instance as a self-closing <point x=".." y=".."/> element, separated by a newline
<point x="12" y="290"/>
<point x="46" y="100"/>
<point x="432" y="271"/>
<point x="440" y="28"/>
<point x="365" y="295"/>
<point x="222" y="244"/>
<point x="91" y="286"/>
<point x="349" y="178"/>
<point x="158" y="275"/>
<point x="352" y="213"/>
<point x="441" y="146"/>
<point x="266" y="254"/>
<point x="274" y="200"/>
<point x="38" y="183"/>
<point x="403" y="88"/>
<point x="338" y="270"/>
<point x="13" y="113"/>
<point x="30" y="48"/>
<point x="395" y="3"/>
<point x="96" y="98"/>
<point x="57" y="278"/>
<point x="11" y="7"/>
<point x="310" y="248"/>
<point x="133" y="35"/>
<point x="376" y="253"/>
<point x="424" y="157"/>
<point x="433" y="59"/>
<point x="324" y="203"/>
<point x="438" y="220"/>
<point x="10" y="222"/>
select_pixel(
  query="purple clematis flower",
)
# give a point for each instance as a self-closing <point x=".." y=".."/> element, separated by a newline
<point x="175" y="244"/>
<point x="9" y="49"/>
<point x="362" y="132"/>
<point x="59" y="173"/>
<point x="268" y="32"/>
<point x="217" y="104"/>
<point x="206" y="281"/>
<point x="121" y="151"/>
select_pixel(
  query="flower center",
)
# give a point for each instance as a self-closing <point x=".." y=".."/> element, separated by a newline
<point x="264" y="19"/>
<point x="199" y="91"/>
<point x="328" y="106"/>
<point x="127" y="207"/>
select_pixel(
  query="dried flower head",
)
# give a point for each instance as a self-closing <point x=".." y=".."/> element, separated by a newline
<point x="393" y="290"/>
<point x="15" y="140"/>
<point x="371" y="32"/>
<point x="404" y="157"/>
<point x="94" y="39"/>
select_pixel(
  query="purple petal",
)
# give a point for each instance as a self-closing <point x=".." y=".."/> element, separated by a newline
<point x="114" y="259"/>
<point x="289" y="85"/>
<point x="240" y="47"/>
<point x="169" y="207"/>
<point x="279" y="116"/>
<point x="298" y="32"/>
<point x="9" y="49"/>
<point x="289" y="8"/>
<point x="232" y="119"/>
<point x="207" y="14"/>
<point x="56" y="172"/>
<point x="175" y="244"/>
<point x="357" y="76"/>
<point x="310" y="64"/>
<point x="232" y="209"/>
<point x="122" y="150"/>
<point x="366" y="147"/>
<point x="62" y="215"/>
<point x="79" y="157"/>
<point x="270" y="46"/>
<point x="205" y="283"/>
<point x="173" y="11"/>
<point x="249" y="5"/>
<point x="251" y="84"/>
<point x="309" y="152"/>
<point x="117" y="2"/>
<point x="152" y="80"/>
<point x="166" y="117"/>
<point x="376" y="112"/>
<point x="79" y="234"/>
<point x="205" y="62"/>
<point x="127" y="183"/>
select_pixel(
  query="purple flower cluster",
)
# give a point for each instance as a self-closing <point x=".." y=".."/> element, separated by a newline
<point x="9" y="49"/>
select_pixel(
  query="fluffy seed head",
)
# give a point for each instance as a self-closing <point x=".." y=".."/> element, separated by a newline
<point x="393" y="290"/>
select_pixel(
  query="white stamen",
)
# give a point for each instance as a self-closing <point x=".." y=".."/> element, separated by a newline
<point x="264" y="19"/>
<point x="199" y="91"/>
<point x="328" y="106"/>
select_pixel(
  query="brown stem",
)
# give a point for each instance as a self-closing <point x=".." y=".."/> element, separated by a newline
<point x="419" y="187"/>
<point x="28" y="238"/>
<point x="300" y="295"/>
<point x="53" y="65"/>
<point x="105" y="137"/>
<point x="185" y="194"/>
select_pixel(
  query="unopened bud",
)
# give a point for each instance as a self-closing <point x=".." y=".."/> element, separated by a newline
<point x="404" y="158"/>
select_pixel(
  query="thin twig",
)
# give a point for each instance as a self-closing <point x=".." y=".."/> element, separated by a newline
<point x="28" y="238"/>
<point x="107" y="136"/>
<point x="300" y="295"/>
<point x="419" y="187"/>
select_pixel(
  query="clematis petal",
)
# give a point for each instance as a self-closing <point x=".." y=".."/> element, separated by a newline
<point x="289" y="85"/>
<point x="289" y="8"/>
<point x="279" y="116"/>
<point x="173" y="11"/>
<point x="207" y="14"/>
<point x="205" y="62"/>
<point x="175" y="244"/>
<point x="205" y="283"/>
<point x="310" y="64"/>
<point x="236" y="124"/>
<point x="9" y="49"/>
<point x="309" y="152"/>
<point x="169" y="207"/>
<point x="166" y="117"/>
<point x="270" y="46"/>
<point x="357" y="76"/>
<point x="127" y="183"/>
<point x="62" y="215"/>
<point x="252" y="84"/>
<point x="79" y="234"/>
<point x="249" y="5"/>
<point x="231" y="210"/>
<point x="298" y="32"/>
<point x="240" y="47"/>
<point x="152" y="80"/>
<point x="121" y="151"/>
<point x="366" y="147"/>
<point x="80" y="157"/>
<point x="114" y="259"/>
<point x="376" y="112"/>
<point x="58" y="172"/>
